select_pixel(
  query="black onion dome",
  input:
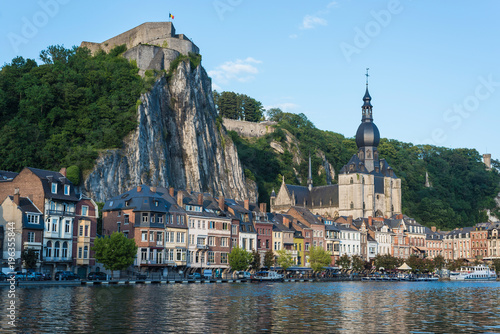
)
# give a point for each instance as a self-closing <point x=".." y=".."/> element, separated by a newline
<point x="367" y="135"/>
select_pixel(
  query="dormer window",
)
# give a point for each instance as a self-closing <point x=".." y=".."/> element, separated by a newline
<point x="54" y="188"/>
<point x="66" y="189"/>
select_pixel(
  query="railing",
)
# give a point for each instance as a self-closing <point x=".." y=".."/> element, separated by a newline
<point x="60" y="213"/>
<point x="159" y="243"/>
<point x="202" y="246"/>
<point x="58" y="259"/>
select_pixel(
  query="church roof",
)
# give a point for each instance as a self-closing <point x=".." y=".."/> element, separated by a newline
<point x="327" y="194"/>
<point x="301" y="194"/>
<point x="355" y="165"/>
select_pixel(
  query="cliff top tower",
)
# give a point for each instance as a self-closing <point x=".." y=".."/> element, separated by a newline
<point x="161" y="34"/>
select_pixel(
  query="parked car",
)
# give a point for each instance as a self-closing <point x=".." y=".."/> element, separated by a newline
<point x="47" y="277"/>
<point x="66" y="276"/>
<point x="141" y="276"/>
<point x="18" y="275"/>
<point x="35" y="276"/>
<point x="207" y="273"/>
<point x="194" y="276"/>
<point x="97" y="275"/>
<point x="243" y="274"/>
<point x="3" y="276"/>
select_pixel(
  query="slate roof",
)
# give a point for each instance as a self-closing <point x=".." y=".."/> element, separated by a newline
<point x="307" y="215"/>
<point x="327" y="194"/>
<point x="48" y="177"/>
<point x="7" y="176"/>
<point x="27" y="206"/>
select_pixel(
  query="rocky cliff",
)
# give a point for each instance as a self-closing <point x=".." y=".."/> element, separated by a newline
<point x="177" y="143"/>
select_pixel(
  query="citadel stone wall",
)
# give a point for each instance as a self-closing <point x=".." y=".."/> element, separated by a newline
<point x="153" y="33"/>
<point x="249" y="129"/>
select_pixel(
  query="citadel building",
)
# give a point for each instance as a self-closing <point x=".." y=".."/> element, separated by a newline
<point x="367" y="185"/>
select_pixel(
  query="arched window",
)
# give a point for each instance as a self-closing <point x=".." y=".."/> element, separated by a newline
<point x="86" y="252"/>
<point x="352" y="181"/>
<point x="352" y="205"/>
<point x="65" y="249"/>
<point x="48" y="250"/>
<point x="363" y="179"/>
<point x="56" y="249"/>
<point x="364" y="205"/>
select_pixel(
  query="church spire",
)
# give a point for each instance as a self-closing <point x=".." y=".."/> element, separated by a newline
<point x="309" y="176"/>
<point x="366" y="108"/>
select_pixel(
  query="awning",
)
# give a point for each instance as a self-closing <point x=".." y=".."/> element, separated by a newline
<point x="404" y="266"/>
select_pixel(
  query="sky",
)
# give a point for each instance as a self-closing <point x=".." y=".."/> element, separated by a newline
<point x="434" y="73"/>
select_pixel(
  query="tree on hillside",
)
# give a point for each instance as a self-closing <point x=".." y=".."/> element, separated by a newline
<point x="255" y="261"/>
<point x="274" y="114"/>
<point x="285" y="259"/>
<point x="319" y="258"/>
<point x="269" y="259"/>
<point x="239" y="259"/>
<point x="115" y="252"/>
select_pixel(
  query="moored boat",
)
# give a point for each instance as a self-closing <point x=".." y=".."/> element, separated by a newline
<point x="266" y="276"/>
<point x="479" y="272"/>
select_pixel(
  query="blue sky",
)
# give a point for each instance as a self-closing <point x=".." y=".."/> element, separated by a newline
<point x="434" y="66"/>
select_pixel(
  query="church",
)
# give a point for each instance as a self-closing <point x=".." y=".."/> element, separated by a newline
<point x="367" y="185"/>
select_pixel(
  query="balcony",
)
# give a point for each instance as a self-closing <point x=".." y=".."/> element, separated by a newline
<point x="159" y="243"/>
<point x="57" y="259"/>
<point x="198" y="246"/>
<point x="60" y="213"/>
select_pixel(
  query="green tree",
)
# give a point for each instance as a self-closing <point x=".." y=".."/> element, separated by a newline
<point x="456" y="264"/>
<point x="285" y="259"/>
<point x="439" y="262"/>
<point x="255" y="261"/>
<point x="274" y="114"/>
<point x="358" y="263"/>
<point x="115" y="252"/>
<point x="227" y="105"/>
<point x="344" y="261"/>
<point x="269" y="259"/>
<point x="496" y="265"/>
<point x="73" y="174"/>
<point x="239" y="259"/>
<point x="29" y="257"/>
<point x="386" y="261"/>
<point x="319" y="258"/>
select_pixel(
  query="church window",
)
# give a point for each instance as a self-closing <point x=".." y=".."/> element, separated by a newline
<point x="363" y="180"/>
<point x="352" y="205"/>
<point x="352" y="181"/>
<point x="364" y="205"/>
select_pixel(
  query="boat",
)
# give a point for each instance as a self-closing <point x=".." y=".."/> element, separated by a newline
<point x="479" y="272"/>
<point x="267" y="276"/>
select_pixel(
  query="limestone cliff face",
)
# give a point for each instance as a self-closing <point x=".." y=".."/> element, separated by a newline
<point x="177" y="143"/>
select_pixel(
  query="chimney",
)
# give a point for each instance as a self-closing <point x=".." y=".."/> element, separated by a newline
<point x="263" y="207"/>
<point x="286" y="222"/>
<point x="171" y="191"/>
<point x="247" y="204"/>
<point x="200" y="199"/>
<point x="180" y="199"/>
<point x="153" y="189"/>
<point x="16" y="196"/>
<point x="370" y="222"/>
<point x="349" y="220"/>
<point x="433" y="228"/>
<point x="63" y="171"/>
<point x="139" y="189"/>
<point x="221" y="203"/>
<point x="400" y="216"/>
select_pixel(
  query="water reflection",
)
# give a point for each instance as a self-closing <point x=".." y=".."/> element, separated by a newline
<point x="275" y="307"/>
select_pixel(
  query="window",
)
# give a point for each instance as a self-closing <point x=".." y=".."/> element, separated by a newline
<point x="80" y="252"/>
<point x="223" y="258"/>
<point x="125" y="220"/>
<point x="66" y="189"/>
<point x="211" y="257"/>
<point x="87" y="230"/>
<point x="67" y="226"/>
<point x="307" y="246"/>
<point x="160" y="219"/>
<point x="234" y="229"/>
<point x="85" y="210"/>
<point x="211" y="225"/>
<point x="267" y="243"/>
<point x="144" y="236"/>
<point x="54" y="224"/>
<point x="152" y="218"/>
<point x="144" y="254"/>
<point x="33" y="219"/>
<point x="65" y="250"/>
<point x="80" y="232"/>
<point x="224" y="242"/>
<point x="144" y="217"/>
<point x="225" y="226"/>
<point x="54" y="188"/>
<point x="31" y="236"/>
<point x="151" y="236"/>
<point x="56" y="249"/>
<point x="211" y="241"/>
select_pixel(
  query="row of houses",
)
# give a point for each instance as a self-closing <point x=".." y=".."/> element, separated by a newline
<point x="48" y="214"/>
<point x="191" y="231"/>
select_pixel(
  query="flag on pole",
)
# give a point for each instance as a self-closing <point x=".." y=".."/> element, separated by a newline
<point x="170" y="16"/>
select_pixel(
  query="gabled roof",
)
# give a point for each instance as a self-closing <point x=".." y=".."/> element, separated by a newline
<point x="307" y="215"/>
<point x="7" y="176"/>
<point x="48" y="177"/>
<point x="27" y="206"/>
<point x="301" y="194"/>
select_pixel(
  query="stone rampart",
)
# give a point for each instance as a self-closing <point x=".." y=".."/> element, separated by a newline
<point x="152" y="33"/>
<point x="249" y="129"/>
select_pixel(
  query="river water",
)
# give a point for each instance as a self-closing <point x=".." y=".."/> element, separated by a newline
<point x="326" y="307"/>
